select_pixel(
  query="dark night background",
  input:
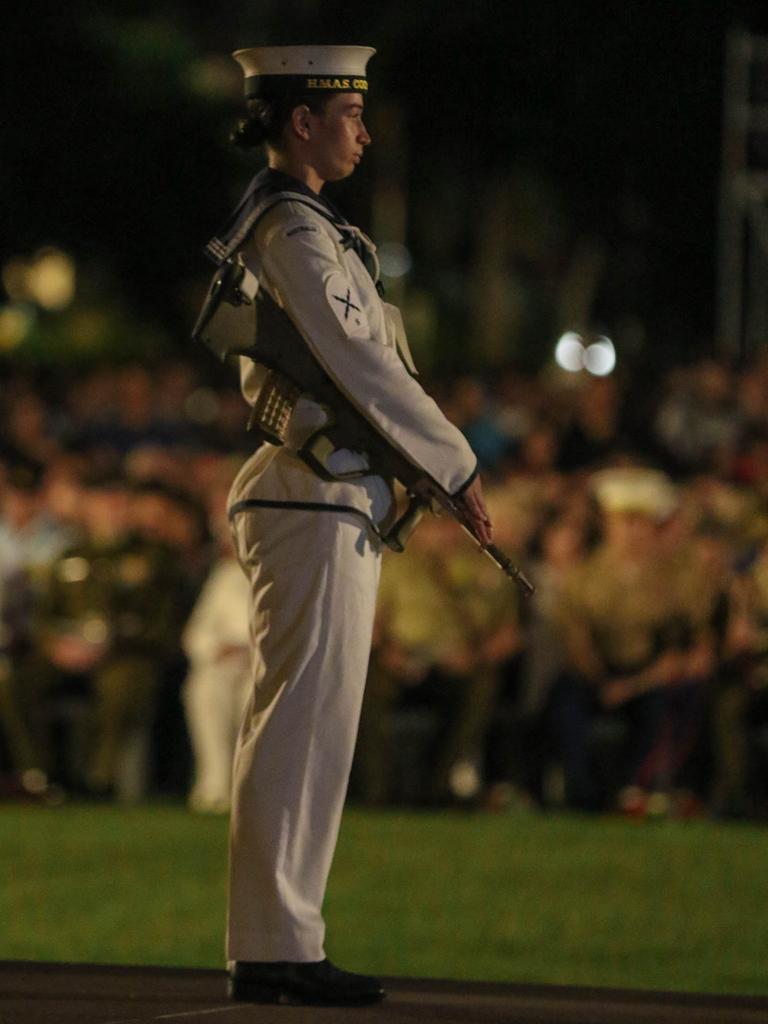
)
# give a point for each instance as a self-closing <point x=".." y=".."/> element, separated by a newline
<point x="599" y="122"/>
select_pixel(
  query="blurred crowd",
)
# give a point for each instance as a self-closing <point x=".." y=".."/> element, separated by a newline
<point x="635" y="680"/>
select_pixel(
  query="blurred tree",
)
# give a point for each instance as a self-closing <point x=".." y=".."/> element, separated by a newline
<point x="118" y="114"/>
<point x="112" y="150"/>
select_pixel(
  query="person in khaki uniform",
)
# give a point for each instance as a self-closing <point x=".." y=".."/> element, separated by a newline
<point x="446" y="622"/>
<point x="106" y="615"/>
<point x="30" y="539"/>
<point x="740" y="699"/>
<point x="631" y="644"/>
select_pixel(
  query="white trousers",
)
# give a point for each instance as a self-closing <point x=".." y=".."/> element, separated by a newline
<point x="314" y="576"/>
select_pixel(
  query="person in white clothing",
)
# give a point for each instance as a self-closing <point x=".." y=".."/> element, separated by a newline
<point x="310" y="542"/>
<point x="216" y="642"/>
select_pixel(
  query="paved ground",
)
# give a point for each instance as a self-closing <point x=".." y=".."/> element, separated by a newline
<point x="33" y="993"/>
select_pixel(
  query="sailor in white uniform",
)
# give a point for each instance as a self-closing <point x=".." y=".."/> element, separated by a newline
<point x="216" y="641"/>
<point x="310" y="545"/>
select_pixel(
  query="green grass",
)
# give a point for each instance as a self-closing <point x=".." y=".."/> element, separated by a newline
<point x="509" y="898"/>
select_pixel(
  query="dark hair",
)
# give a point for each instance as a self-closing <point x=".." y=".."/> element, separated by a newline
<point x="268" y="117"/>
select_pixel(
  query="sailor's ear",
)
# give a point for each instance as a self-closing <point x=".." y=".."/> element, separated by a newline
<point x="300" y="121"/>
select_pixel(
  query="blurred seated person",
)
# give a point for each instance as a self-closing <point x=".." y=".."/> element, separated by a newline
<point x="750" y="465"/>
<point x="62" y="492"/>
<point x="595" y="432"/>
<point x="469" y="408"/>
<point x="739" y="703"/>
<point x="30" y="537"/>
<point x="176" y="521"/>
<point x="106" y="617"/>
<point x="698" y="423"/>
<point x="446" y="622"/>
<point x="28" y="427"/>
<point x="176" y="383"/>
<point x="134" y="417"/>
<point x="173" y="519"/>
<point x="558" y="548"/>
<point x="701" y="557"/>
<point x="533" y="467"/>
<point x="634" y="649"/>
<point x="217" y="644"/>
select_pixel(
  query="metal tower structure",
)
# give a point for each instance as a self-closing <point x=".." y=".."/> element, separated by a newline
<point x="743" y="227"/>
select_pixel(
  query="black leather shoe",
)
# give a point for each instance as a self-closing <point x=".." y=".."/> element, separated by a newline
<point x="317" y="984"/>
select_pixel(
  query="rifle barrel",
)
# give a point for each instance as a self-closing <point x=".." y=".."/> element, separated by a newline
<point x="502" y="561"/>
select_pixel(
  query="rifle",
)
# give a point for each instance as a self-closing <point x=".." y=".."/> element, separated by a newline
<point x="240" y="318"/>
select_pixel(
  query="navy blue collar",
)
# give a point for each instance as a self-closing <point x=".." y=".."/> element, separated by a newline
<point x="262" y="192"/>
<point x="278" y="181"/>
<point x="268" y="188"/>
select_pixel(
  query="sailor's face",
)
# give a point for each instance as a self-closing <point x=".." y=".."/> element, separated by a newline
<point x="339" y="136"/>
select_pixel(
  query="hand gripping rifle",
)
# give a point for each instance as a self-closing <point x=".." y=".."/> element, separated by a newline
<point x="240" y="318"/>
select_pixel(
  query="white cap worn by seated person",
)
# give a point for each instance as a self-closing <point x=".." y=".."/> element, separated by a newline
<point x="273" y="70"/>
<point x="634" y="489"/>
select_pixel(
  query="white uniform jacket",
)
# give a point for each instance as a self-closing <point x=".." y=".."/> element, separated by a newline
<point x="299" y="256"/>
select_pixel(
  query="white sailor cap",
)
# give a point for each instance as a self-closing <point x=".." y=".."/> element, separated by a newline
<point x="274" y="70"/>
<point x="634" y="489"/>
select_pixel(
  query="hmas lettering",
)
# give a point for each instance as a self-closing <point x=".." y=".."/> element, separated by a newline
<point x="357" y="84"/>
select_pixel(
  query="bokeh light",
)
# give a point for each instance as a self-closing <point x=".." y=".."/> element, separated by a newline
<point x="48" y="279"/>
<point x="569" y="352"/>
<point x="600" y="357"/>
<point x="394" y="259"/>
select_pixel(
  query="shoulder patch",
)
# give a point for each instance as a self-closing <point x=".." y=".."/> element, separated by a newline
<point x="347" y="306"/>
<point x="300" y="228"/>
